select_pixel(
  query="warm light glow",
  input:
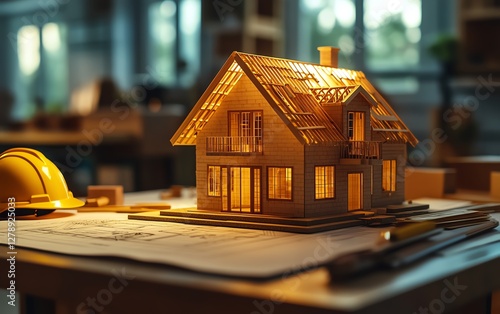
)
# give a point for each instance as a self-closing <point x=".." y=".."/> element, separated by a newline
<point x="28" y="49"/>
<point x="214" y="180"/>
<point x="355" y="191"/>
<point x="356" y="126"/>
<point x="389" y="175"/>
<point x="280" y="183"/>
<point x="324" y="177"/>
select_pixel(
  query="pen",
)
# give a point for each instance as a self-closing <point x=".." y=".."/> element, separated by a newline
<point x="415" y="252"/>
<point x="411" y="230"/>
<point x="359" y="262"/>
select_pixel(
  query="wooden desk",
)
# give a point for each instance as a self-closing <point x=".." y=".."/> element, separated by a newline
<point x="144" y="288"/>
<point x="458" y="283"/>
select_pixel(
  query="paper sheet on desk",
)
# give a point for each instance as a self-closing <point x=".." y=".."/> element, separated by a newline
<point x="484" y="239"/>
<point x="220" y="250"/>
<point x="438" y="204"/>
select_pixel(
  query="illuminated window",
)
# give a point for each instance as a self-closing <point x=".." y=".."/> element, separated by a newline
<point x="356" y="126"/>
<point x="245" y="123"/>
<point x="245" y="130"/>
<point x="389" y="175"/>
<point x="214" y="180"/>
<point x="324" y="179"/>
<point x="280" y="183"/>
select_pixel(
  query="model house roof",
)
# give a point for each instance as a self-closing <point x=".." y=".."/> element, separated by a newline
<point x="297" y="91"/>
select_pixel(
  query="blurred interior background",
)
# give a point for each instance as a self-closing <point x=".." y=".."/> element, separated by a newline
<point x="100" y="86"/>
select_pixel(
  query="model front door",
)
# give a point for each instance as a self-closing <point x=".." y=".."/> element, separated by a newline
<point x="241" y="189"/>
<point x="354" y="191"/>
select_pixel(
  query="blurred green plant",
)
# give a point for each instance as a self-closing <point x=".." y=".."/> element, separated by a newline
<point x="445" y="48"/>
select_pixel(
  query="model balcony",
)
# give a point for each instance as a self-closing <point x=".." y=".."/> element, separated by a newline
<point x="360" y="150"/>
<point x="234" y="145"/>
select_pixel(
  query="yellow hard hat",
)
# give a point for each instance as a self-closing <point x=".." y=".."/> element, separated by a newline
<point x="33" y="181"/>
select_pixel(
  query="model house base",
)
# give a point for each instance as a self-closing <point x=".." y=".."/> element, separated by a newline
<point x="262" y="222"/>
<point x="377" y="217"/>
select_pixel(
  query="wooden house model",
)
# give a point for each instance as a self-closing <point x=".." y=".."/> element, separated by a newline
<point x="289" y="138"/>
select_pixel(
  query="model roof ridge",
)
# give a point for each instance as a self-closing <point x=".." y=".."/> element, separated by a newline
<point x="270" y="74"/>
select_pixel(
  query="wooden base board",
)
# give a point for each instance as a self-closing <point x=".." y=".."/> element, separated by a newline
<point x="255" y="221"/>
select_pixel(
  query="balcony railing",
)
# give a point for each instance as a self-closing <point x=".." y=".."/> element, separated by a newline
<point x="360" y="150"/>
<point x="234" y="144"/>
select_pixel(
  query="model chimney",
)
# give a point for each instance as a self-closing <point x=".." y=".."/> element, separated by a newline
<point x="329" y="56"/>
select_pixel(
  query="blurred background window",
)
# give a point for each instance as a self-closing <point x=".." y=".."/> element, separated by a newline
<point x="327" y="22"/>
<point x="392" y="34"/>
<point x="373" y="35"/>
<point x="42" y="71"/>
<point x="55" y="58"/>
<point x="162" y="43"/>
<point x="174" y="44"/>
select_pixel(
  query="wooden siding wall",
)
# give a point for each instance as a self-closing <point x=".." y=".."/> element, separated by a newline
<point x="280" y="148"/>
<point x="326" y="156"/>
<point x="382" y="198"/>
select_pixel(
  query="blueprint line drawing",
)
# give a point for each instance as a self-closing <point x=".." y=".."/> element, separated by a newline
<point x="220" y="250"/>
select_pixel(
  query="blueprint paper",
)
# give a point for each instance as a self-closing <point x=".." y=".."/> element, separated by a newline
<point x="220" y="250"/>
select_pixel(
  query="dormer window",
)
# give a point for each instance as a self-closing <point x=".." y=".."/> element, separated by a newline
<point x="356" y="126"/>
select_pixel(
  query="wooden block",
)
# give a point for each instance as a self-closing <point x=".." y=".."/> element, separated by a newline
<point x="495" y="184"/>
<point x="113" y="192"/>
<point x="429" y="182"/>
<point x="97" y="202"/>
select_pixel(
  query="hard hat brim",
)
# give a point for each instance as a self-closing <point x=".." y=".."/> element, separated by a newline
<point x="67" y="203"/>
<point x="59" y="204"/>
